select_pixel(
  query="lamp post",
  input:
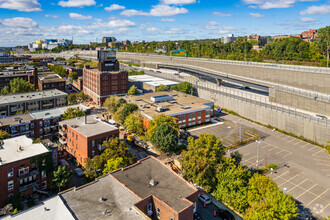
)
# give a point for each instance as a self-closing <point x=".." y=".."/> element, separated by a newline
<point x="258" y="143"/>
<point x="240" y="130"/>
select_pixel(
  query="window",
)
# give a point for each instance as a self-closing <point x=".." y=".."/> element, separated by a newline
<point x="76" y="137"/>
<point x="40" y="123"/>
<point x="44" y="185"/>
<point x="93" y="153"/>
<point x="158" y="213"/>
<point x="40" y="131"/>
<point x="33" y="165"/>
<point x="21" y="181"/>
<point x="10" y="185"/>
<point x="93" y="143"/>
<point x="43" y="174"/>
<point x="77" y="146"/>
<point x="30" y="178"/>
<point x="10" y="172"/>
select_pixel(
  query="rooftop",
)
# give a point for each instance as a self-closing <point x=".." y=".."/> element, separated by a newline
<point x="180" y="104"/>
<point x="96" y="70"/>
<point x="31" y="96"/>
<point x="170" y="188"/>
<point x="19" y="148"/>
<point x="94" y="125"/>
<point x="55" y="112"/>
<point x="51" y="77"/>
<point x="86" y="202"/>
<point x="50" y="209"/>
<point x="16" y="120"/>
<point x="151" y="80"/>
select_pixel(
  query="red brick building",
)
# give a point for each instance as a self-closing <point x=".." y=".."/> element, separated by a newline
<point x="309" y="35"/>
<point x="106" y="80"/>
<point x="51" y="81"/>
<point x="187" y="109"/>
<point x="83" y="137"/>
<point x="23" y="167"/>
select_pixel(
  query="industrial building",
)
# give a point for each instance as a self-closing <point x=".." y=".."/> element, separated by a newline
<point x="148" y="83"/>
<point x="187" y="109"/>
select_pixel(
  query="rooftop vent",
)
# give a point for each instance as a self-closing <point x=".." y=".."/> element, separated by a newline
<point x="185" y="107"/>
<point x="153" y="182"/>
<point x="20" y="148"/>
<point x="47" y="113"/>
<point x="138" y="100"/>
<point x="172" y="102"/>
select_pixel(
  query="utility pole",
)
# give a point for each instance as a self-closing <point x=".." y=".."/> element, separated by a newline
<point x="258" y="143"/>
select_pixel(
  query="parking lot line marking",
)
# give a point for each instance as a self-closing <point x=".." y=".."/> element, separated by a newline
<point x="280" y="175"/>
<point x="313" y="148"/>
<point x="327" y="165"/>
<point x="287" y="137"/>
<point x="298" y="142"/>
<point x="318" y="196"/>
<point x="288" y="181"/>
<point x="305" y="145"/>
<point x="307" y="190"/>
<point x="318" y="152"/>
<point x="293" y="139"/>
<point x="325" y="207"/>
<point x="297" y="185"/>
<point x="280" y="152"/>
<point x="287" y="154"/>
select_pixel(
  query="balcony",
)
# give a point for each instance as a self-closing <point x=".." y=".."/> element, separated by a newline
<point x="62" y="141"/>
<point x="61" y="102"/>
<point x="28" y="186"/>
<point x="16" y="109"/>
<point x="24" y="175"/>
<point x="48" y="104"/>
<point x="33" y="106"/>
<point x="61" y="132"/>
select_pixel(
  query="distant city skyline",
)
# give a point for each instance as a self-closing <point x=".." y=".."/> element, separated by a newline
<point x="22" y="22"/>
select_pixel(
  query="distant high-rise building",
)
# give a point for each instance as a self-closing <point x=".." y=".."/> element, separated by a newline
<point x="228" y="39"/>
<point x="108" y="39"/>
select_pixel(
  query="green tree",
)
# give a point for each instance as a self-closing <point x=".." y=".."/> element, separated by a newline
<point x="61" y="177"/>
<point x="158" y="121"/>
<point x="4" y="134"/>
<point x="184" y="87"/>
<point x="232" y="184"/>
<point x="72" y="99"/>
<point x="17" y="85"/>
<point x="162" y="88"/>
<point x="201" y="159"/>
<point x="16" y="200"/>
<point x="134" y="124"/>
<point x="114" y="164"/>
<point x="93" y="167"/>
<point x="133" y="90"/>
<point x="37" y="141"/>
<point x="237" y="157"/>
<point x="113" y="103"/>
<point x="126" y="111"/>
<point x="73" y="113"/>
<point x="165" y="138"/>
<point x="61" y="71"/>
<point x="73" y="76"/>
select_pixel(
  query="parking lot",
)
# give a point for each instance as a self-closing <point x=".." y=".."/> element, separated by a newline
<point x="227" y="131"/>
<point x="304" y="169"/>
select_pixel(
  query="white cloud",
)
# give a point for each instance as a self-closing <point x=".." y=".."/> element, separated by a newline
<point x="178" y="2"/>
<point x="316" y="10"/>
<point x="226" y="30"/>
<point x="213" y="23"/>
<point x="167" y="19"/>
<point x="165" y="10"/>
<point x="21" y="5"/>
<point x="153" y="29"/>
<point x="70" y="29"/>
<point x="113" y="24"/>
<point x="257" y="15"/>
<point x="79" y="16"/>
<point x="133" y="12"/>
<point x="76" y="3"/>
<point x="221" y="14"/>
<point x="51" y="16"/>
<point x="307" y="19"/>
<point x="268" y="4"/>
<point x="173" y="31"/>
<point x="19" y="22"/>
<point x="114" y="7"/>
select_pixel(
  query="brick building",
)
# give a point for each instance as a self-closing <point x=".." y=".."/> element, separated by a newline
<point x="83" y="137"/>
<point x="309" y="35"/>
<point x="20" y="169"/>
<point x="18" y="125"/>
<point x="51" y="81"/>
<point x="106" y="80"/>
<point x="187" y="109"/>
<point x="31" y="101"/>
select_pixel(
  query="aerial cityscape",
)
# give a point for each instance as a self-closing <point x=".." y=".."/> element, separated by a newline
<point x="165" y="109"/>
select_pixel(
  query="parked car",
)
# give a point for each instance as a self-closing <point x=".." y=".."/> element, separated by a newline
<point x="79" y="172"/>
<point x="204" y="198"/>
<point x="225" y="214"/>
<point x="321" y="117"/>
<point x="158" y="71"/>
<point x="197" y="216"/>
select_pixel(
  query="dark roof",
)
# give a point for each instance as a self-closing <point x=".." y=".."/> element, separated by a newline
<point x="170" y="188"/>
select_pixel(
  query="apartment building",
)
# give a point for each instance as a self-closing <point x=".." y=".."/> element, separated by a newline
<point x="187" y="109"/>
<point x="18" y="125"/>
<point x="31" y="101"/>
<point x="83" y="137"/>
<point x="23" y="167"/>
<point x="106" y="80"/>
<point x="51" y="81"/>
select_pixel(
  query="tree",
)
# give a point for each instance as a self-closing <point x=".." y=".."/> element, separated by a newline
<point x="75" y="98"/>
<point x="72" y="99"/>
<point x="184" y="87"/>
<point x="126" y="111"/>
<point x="61" y="177"/>
<point x="17" y="85"/>
<point x="16" y="201"/>
<point x="37" y="141"/>
<point x="61" y="71"/>
<point x="237" y="157"/>
<point x="201" y="159"/>
<point x="160" y="119"/>
<point x="73" y="76"/>
<point x="134" y="124"/>
<point x="93" y="167"/>
<point x="4" y="134"/>
<point x="162" y="88"/>
<point x="113" y="103"/>
<point x="232" y="184"/>
<point x="114" y="164"/>
<point x="116" y="149"/>
<point x="73" y="113"/>
<point x="165" y="138"/>
<point x="133" y="90"/>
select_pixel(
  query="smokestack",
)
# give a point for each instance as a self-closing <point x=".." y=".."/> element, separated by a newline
<point x="35" y="78"/>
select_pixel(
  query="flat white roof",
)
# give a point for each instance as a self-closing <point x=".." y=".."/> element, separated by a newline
<point x="152" y="80"/>
<point x="55" y="112"/>
<point x="19" y="148"/>
<point x="50" y="209"/>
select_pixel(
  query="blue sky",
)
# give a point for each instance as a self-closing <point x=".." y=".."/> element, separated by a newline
<point x="24" y="21"/>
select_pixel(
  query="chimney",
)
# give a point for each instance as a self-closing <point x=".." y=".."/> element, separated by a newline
<point x="35" y="78"/>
